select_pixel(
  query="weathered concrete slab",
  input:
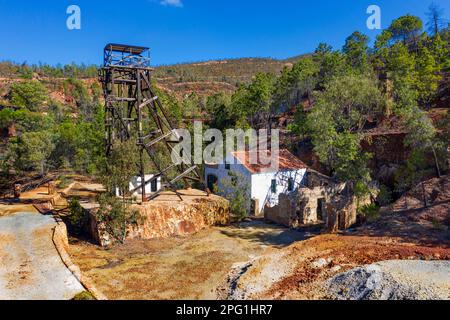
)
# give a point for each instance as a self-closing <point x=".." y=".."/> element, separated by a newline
<point x="30" y="266"/>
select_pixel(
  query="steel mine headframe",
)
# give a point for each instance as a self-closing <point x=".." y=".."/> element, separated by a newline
<point x="131" y="106"/>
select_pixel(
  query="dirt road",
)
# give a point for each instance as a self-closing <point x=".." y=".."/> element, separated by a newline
<point x="178" y="268"/>
<point x="30" y="267"/>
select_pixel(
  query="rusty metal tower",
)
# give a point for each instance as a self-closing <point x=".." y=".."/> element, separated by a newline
<point x="131" y="106"/>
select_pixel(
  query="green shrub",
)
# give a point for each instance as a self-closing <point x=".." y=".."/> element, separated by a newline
<point x="437" y="224"/>
<point x="64" y="182"/>
<point x="238" y="207"/>
<point x="31" y="151"/>
<point x="85" y="295"/>
<point x="371" y="212"/>
<point x="78" y="217"/>
<point x="6" y="118"/>
<point x="235" y="191"/>
<point x="117" y="217"/>
<point x="30" y="94"/>
<point x="385" y="196"/>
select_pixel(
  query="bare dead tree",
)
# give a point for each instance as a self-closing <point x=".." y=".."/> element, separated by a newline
<point x="435" y="18"/>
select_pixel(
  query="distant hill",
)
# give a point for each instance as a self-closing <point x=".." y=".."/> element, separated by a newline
<point x="297" y="58"/>
<point x="203" y="78"/>
<point x="217" y="75"/>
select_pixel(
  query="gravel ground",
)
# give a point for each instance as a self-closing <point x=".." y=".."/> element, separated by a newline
<point x="30" y="266"/>
<point x="190" y="267"/>
<point x="394" y="280"/>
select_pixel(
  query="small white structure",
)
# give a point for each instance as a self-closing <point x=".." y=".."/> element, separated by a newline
<point x="262" y="184"/>
<point x="150" y="188"/>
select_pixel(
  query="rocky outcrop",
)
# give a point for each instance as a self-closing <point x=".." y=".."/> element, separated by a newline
<point x="168" y="219"/>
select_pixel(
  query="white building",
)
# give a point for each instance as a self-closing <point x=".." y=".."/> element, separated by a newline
<point x="261" y="182"/>
<point x="150" y="188"/>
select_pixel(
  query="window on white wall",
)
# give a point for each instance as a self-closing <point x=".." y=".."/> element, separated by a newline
<point x="290" y="185"/>
<point x="274" y="186"/>
<point x="154" y="185"/>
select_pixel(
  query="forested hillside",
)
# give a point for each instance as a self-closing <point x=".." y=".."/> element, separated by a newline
<point x="232" y="71"/>
<point x="334" y="103"/>
<point x="203" y="78"/>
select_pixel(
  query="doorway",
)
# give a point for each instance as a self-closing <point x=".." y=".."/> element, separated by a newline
<point x="321" y="209"/>
<point x="212" y="182"/>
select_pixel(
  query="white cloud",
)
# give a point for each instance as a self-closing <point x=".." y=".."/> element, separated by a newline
<point x="172" y="3"/>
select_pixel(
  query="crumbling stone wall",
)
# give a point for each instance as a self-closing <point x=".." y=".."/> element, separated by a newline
<point x="343" y="211"/>
<point x="284" y="212"/>
<point x="312" y="198"/>
<point x="308" y="204"/>
<point x="341" y="214"/>
<point x="321" y="194"/>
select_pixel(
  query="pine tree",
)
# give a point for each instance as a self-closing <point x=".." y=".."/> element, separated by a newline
<point x="427" y="76"/>
<point x="356" y="51"/>
<point x="407" y="29"/>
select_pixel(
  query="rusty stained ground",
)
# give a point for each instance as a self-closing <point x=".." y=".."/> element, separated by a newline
<point x="344" y="252"/>
<point x="412" y="233"/>
<point x="194" y="267"/>
<point x="177" y="268"/>
<point x="25" y="203"/>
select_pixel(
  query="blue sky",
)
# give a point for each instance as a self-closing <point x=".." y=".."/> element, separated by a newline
<point x="187" y="30"/>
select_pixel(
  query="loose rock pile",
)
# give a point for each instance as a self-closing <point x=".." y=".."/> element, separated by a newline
<point x="394" y="280"/>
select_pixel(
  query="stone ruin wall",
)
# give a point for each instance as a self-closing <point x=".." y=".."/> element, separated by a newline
<point x="282" y="213"/>
<point x="339" y="207"/>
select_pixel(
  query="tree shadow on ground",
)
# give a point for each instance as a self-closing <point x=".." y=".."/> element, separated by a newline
<point x="416" y="225"/>
<point x="271" y="235"/>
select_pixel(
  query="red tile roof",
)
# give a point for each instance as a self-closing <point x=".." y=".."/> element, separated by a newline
<point x="287" y="161"/>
